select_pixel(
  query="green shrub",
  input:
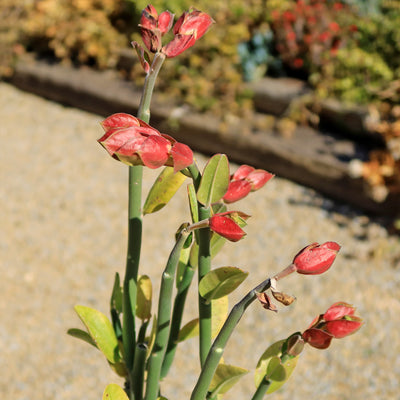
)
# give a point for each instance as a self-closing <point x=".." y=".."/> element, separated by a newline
<point x="354" y="76"/>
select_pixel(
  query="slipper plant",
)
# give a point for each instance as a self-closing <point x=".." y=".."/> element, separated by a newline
<point x="141" y="355"/>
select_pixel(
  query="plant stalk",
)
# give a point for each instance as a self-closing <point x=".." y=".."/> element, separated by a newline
<point x="217" y="349"/>
<point x="204" y="267"/>
<point x="135" y="228"/>
<point x="163" y="320"/>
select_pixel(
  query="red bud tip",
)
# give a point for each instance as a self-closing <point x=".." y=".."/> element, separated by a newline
<point x="315" y="258"/>
<point x="337" y="322"/>
<point x="224" y="225"/>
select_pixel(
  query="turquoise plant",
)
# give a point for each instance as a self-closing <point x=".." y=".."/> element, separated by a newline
<point x="143" y="356"/>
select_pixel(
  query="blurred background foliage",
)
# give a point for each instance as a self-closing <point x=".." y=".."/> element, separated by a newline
<point x="345" y="49"/>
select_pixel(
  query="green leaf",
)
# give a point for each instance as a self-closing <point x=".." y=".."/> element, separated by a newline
<point x="152" y="338"/>
<point x="271" y="367"/>
<point x="116" y="295"/>
<point x="143" y="298"/>
<point x="289" y="367"/>
<point x="220" y="282"/>
<point x="114" y="392"/>
<point x="224" y="378"/>
<point x="163" y="189"/>
<point x="83" y="335"/>
<point x="275" y="350"/>
<point x="101" y="331"/>
<point x="219" y="312"/>
<point x="194" y="209"/>
<point x="275" y="370"/>
<point x="215" y="180"/>
<point x="189" y="330"/>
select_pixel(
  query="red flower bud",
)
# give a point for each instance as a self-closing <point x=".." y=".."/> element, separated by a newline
<point x="225" y="225"/>
<point x="245" y="180"/>
<point x="191" y="26"/>
<point x="132" y="141"/>
<point x="153" y="26"/>
<point x="315" y="258"/>
<point x="337" y="322"/>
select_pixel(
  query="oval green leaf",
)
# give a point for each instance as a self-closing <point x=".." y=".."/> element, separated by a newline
<point x="114" y="392"/>
<point x="101" y="331"/>
<point x="163" y="189"/>
<point x="215" y="180"/>
<point x="194" y="208"/>
<point x="219" y="313"/>
<point x="275" y="370"/>
<point x="289" y="366"/>
<point x="220" y="282"/>
<point x="224" y="378"/>
<point x="275" y="350"/>
<point x="189" y="330"/>
<point x="143" y="298"/>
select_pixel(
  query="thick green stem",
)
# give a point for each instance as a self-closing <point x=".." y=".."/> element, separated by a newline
<point x="217" y="349"/>
<point x="138" y="371"/>
<point x="132" y="264"/>
<point x="262" y="388"/>
<point x="135" y="228"/>
<point x="203" y="268"/>
<point x="176" y="320"/>
<point x="163" y="321"/>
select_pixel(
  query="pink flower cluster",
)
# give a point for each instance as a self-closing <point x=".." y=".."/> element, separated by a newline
<point x="190" y="27"/>
<point x="132" y="141"/>
<point x="338" y="322"/>
<point x="245" y="180"/>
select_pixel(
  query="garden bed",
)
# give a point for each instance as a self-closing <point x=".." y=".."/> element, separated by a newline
<point x="307" y="156"/>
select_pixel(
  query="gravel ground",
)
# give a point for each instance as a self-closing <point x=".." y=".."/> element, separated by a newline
<point x="63" y="237"/>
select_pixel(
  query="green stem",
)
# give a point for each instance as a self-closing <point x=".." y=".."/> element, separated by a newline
<point x="144" y="106"/>
<point x="217" y="349"/>
<point x="261" y="390"/>
<point x="176" y="320"/>
<point x="132" y="264"/>
<point x="135" y="228"/>
<point x="163" y="321"/>
<point x="203" y="268"/>
<point x="138" y="371"/>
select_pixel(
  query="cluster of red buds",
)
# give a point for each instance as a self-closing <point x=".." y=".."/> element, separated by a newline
<point x="132" y="141"/>
<point x="338" y="322"/>
<point x="190" y="27"/>
<point x="246" y="179"/>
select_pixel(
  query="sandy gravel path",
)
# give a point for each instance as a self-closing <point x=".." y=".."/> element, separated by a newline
<point x="63" y="234"/>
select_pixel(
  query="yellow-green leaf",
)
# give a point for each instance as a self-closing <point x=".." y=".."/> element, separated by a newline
<point x="289" y="366"/>
<point x="114" y="392"/>
<point x="189" y="330"/>
<point x="215" y="180"/>
<point x="101" y="331"/>
<point x="275" y="350"/>
<point x="194" y="208"/>
<point x="163" y="189"/>
<point x="225" y="377"/>
<point x="220" y="282"/>
<point x="143" y="298"/>
<point x="219" y="312"/>
<point x="267" y="366"/>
